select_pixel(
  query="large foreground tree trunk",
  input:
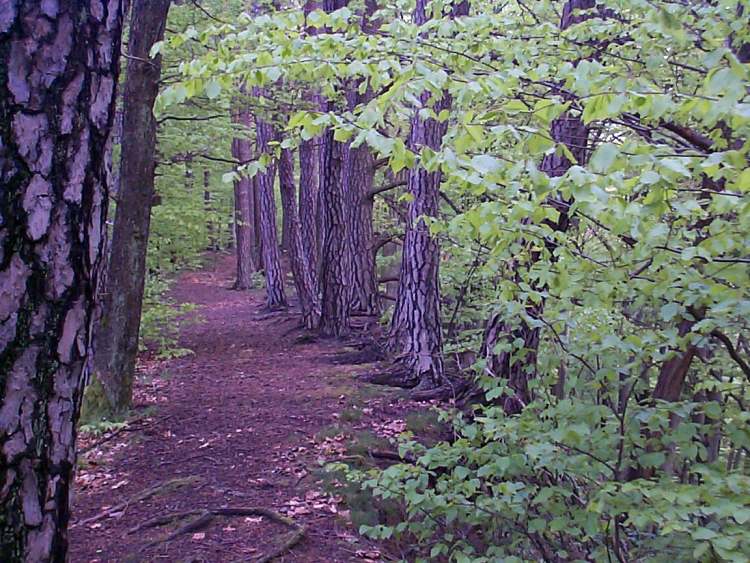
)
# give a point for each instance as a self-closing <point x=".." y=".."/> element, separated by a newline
<point x="301" y="269"/>
<point x="416" y="327"/>
<point x="117" y="333"/>
<point x="244" y="210"/>
<point x="58" y="73"/>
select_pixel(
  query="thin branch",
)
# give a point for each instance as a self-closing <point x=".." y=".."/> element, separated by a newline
<point x="380" y="189"/>
<point x="733" y="353"/>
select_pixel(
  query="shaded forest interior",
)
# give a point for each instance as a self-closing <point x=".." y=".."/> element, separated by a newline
<point x="347" y="280"/>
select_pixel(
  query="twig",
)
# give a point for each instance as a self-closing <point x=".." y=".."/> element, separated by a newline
<point x="143" y="495"/>
<point x="204" y="517"/>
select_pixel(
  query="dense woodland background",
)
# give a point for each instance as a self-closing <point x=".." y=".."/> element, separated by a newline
<point x="540" y="210"/>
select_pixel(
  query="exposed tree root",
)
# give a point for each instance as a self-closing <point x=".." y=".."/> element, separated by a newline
<point x="204" y="517"/>
<point x="449" y="391"/>
<point x="396" y="376"/>
<point x="160" y="488"/>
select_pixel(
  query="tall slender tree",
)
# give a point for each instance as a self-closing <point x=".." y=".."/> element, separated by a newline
<point x="416" y="327"/>
<point x="59" y="65"/>
<point x="517" y="363"/>
<point x="298" y="259"/>
<point x="244" y="208"/>
<point x="360" y="173"/>
<point x="275" y="293"/>
<point x="335" y="262"/>
<point x="117" y="334"/>
<point x="309" y="174"/>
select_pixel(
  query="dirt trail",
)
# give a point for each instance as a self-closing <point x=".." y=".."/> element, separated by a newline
<point x="240" y="416"/>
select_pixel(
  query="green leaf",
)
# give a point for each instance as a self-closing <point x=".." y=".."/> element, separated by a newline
<point x="604" y="157"/>
<point x="213" y="89"/>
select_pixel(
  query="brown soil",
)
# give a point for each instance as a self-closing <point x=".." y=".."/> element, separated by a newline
<point x="242" y="416"/>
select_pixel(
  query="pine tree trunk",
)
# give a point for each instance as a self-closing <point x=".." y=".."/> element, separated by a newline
<point x="309" y="162"/>
<point x="211" y="230"/>
<point x="518" y="365"/>
<point x="416" y="327"/>
<point x="301" y="269"/>
<point x="360" y="164"/>
<point x="275" y="295"/>
<point x="286" y="227"/>
<point x="335" y="264"/>
<point x="57" y="100"/>
<point x="244" y="211"/>
<point x="255" y="212"/>
<point x="360" y="172"/>
<point x="335" y="255"/>
<point x="117" y="331"/>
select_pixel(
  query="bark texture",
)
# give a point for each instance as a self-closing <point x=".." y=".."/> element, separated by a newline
<point x="416" y="327"/>
<point x="275" y="294"/>
<point x="335" y="256"/>
<point x="335" y="264"/>
<point x="301" y="268"/>
<point x="58" y="73"/>
<point x="244" y="211"/>
<point x="358" y="184"/>
<point x="117" y="333"/>
<point x="309" y="162"/>
<point x="518" y="365"/>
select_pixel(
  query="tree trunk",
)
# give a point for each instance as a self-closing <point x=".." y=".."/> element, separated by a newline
<point x="244" y="211"/>
<point x="59" y="65"/>
<point x="275" y="295"/>
<point x="301" y="269"/>
<point x="117" y="334"/>
<point x="335" y="256"/>
<point x="518" y="365"/>
<point x="335" y="264"/>
<point x="416" y="327"/>
<point x="212" y="232"/>
<point x="360" y="171"/>
<point x="255" y="212"/>
<point x="309" y="162"/>
<point x="286" y="226"/>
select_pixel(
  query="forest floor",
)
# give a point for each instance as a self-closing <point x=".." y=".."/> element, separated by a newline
<point x="246" y="420"/>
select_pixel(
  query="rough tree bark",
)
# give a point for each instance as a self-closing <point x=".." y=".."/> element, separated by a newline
<point x="360" y="172"/>
<point x="335" y="264"/>
<point x="59" y="64"/>
<point x="309" y="161"/>
<point x="117" y="332"/>
<point x="518" y="365"/>
<point x="286" y="228"/>
<point x="335" y="258"/>
<point x="416" y="327"/>
<point x="301" y="269"/>
<point x="244" y="210"/>
<point x="359" y="179"/>
<point x="275" y="295"/>
<point x="212" y="231"/>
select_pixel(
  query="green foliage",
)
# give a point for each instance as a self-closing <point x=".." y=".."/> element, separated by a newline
<point x="550" y="484"/>
<point x="653" y="266"/>
<point x="162" y="320"/>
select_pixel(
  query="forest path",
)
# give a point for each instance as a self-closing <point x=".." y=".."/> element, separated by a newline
<point x="243" y="418"/>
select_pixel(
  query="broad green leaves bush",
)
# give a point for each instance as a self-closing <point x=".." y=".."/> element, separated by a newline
<point x="650" y="273"/>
